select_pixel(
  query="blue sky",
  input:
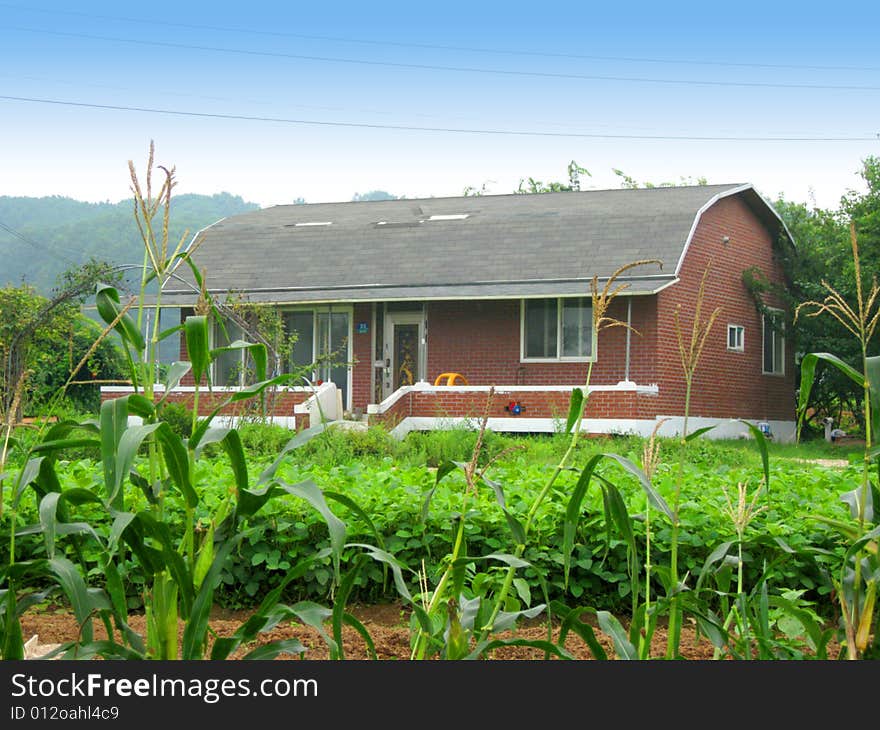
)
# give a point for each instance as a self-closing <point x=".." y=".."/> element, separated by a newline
<point x="279" y="101"/>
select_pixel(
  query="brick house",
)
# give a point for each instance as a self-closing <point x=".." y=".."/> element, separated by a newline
<point x="497" y="289"/>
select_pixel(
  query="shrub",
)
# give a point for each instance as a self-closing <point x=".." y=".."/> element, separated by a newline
<point x="179" y="417"/>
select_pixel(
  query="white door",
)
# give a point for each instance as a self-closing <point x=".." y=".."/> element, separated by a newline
<point x="404" y="350"/>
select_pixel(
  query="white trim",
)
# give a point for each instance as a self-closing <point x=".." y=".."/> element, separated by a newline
<point x="190" y="245"/>
<point x="435" y="298"/>
<point x="714" y="199"/>
<point x="160" y="388"/>
<point x="422" y="387"/>
<point x="321" y="406"/>
<point x="781" y="372"/>
<point x="727" y="428"/>
<point x="724" y="428"/>
<point x="391" y="320"/>
<point x="742" y="338"/>
<point x="379" y="300"/>
<point x="233" y="421"/>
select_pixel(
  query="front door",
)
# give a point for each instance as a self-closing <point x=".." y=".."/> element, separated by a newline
<point x="404" y="350"/>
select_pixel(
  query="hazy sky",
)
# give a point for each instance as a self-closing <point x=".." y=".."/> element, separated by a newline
<point x="279" y="101"/>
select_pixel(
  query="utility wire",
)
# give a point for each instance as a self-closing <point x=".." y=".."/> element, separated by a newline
<point x="456" y="69"/>
<point x="442" y="47"/>
<point x="449" y="130"/>
<point x="52" y="251"/>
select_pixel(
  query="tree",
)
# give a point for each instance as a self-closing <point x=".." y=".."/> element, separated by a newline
<point x="631" y="183"/>
<point x="824" y="255"/>
<point x="374" y="195"/>
<point x="536" y="186"/>
<point x="48" y="345"/>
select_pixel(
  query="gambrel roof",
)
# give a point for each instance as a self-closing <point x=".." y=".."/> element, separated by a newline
<point x="474" y="247"/>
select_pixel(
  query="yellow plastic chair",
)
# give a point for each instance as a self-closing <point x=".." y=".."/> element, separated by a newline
<point x="450" y="379"/>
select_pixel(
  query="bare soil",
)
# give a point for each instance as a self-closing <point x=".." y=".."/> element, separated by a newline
<point x="388" y="626"/>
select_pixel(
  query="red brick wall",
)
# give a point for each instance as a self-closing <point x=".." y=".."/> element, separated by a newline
<point x="280" y="403"/>
<point x="362" y="354"/>
<point x="481" y="340"/>
<point x="538" y="404"/>
<point x="727" y="384"/>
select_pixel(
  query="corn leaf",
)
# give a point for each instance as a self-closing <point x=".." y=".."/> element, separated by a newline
<point x="761" y="442"/>
<point x="13" y="641"/>
<point x="571" y="622"/>
<point x="612" y="627"/>
<point x="276" y="648"/>
<point x="250" y="501"/>
<point x="108" y="306"/>
<point x="27" y="475"/>
<point x="230" y="440"/>
<point x="114" y="422"/>
<point x="195" y="329"/>
<point x="808" y="370"/>
<point x="256" y="350"/>
<point x="695" y="434"/>
<point x="392" y="562"/>
<point x="176" y="371"/>
<point x="83" y="601"/>
<point x="196" y="630"/>
<point x="575" y="408"/>
<point x="339" y="600"/>
<point x="301" y="438"/>
<point x="516" y="529"/>
<point x="51" y="526"/>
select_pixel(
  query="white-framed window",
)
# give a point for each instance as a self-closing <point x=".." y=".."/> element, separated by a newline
<point x="773" y="339"/>
<point x="322" y="333"/>
<point x="230" y="367"/>
<point x="736" y="337"/>
<point x="557" y="329"/>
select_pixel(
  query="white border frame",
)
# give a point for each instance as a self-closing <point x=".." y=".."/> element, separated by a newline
<point x="522" y="333"/>
<point x="781" y="355"/>
<point x="742" y="345"/>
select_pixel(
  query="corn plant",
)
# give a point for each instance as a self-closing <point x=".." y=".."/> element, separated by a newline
<point x="690" y="351"/>
<point x="465" y="626"/>
<point x="856" y="583"/>
<point x="148" y="470"/>
<point x="450" y="620"/>
<point x="751" y="628"/>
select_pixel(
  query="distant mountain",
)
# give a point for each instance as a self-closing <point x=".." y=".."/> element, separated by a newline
<point x="42" y="237"/>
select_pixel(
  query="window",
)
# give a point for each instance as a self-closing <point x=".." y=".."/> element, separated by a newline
<point x="321" y="334"/>
<point x="557" y="329"/>
<point x="301" y="324"/>
<point x="773" y="343"/>
<point x="735" y="337"/>
<point x="230" y="366"/>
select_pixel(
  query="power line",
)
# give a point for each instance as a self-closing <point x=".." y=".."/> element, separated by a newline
<point x="456" y="69"/>
<point x="52" y="251"/>
<point x="450" y="130"/>
<point x="443" y="47"/>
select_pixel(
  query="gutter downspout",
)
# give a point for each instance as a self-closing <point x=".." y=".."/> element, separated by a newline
<point x="629" y="309"/>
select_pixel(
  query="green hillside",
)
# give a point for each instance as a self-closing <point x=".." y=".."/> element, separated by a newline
<point x="42" y="237"/>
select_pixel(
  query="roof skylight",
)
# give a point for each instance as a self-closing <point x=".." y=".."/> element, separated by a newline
<point x="312" y="223"/>
<point x="449" y="217"/>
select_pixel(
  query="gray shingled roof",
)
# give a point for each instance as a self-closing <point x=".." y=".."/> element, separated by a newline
<point x="508" y="246"/>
